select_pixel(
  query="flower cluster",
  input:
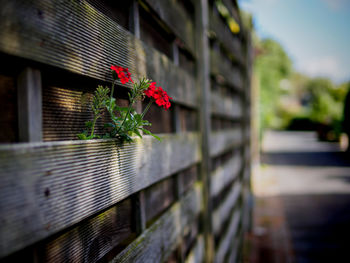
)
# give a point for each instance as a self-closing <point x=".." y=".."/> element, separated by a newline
<point x="123" y="74"/>
<point x="125" y="122"/>
<point x="159" y="95"/>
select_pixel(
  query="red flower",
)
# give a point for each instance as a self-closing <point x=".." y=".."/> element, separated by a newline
<point x="123" y="74"/>
<point x="159" y="95"/>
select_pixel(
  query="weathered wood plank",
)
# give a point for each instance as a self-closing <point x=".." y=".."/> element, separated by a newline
<point x="224" y="210"/>
<point x="197" y="253"/>
<point x="176" y="17"/>
<point x="221" y="141"/>
<point x="29" y="105"/>
<point x="225" y="36"/>
<point x="158" y="197"/>
<point x="225" y="105"/>
<point x="92" y="239"/>
<point x="222" y="67"/>
<point x="226" y="241"/>
<point x="73" y="35"/>
<point x="158" y="241"/>
<point x="61" y="183"/>
<point x="225" y="174"/>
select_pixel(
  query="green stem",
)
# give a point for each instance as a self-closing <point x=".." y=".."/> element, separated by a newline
<point x="146" y="109"/>
<point x="93" y="125"/>
<point x="112" y="91"/>
<point x="126" y="115"/>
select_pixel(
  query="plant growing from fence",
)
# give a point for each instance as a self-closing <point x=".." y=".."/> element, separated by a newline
<point x="125" y="122"/>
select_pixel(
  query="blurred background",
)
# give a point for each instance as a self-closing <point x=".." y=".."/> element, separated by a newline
<point x="301" y="173"/>
<point x="301" y="63"/>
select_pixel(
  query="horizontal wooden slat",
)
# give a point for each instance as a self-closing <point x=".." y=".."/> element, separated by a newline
<point x="197" y="253"/>
<point x="92" y="239"/>
<point x="225" y="36"/>
<point x="221" y="141"/>
<point x="226" y="242"/>
<point x="176" y="17"/>
<point x="222" y="212"/>
<point x="225" y="174"/>
<point x="156" y="243"/>
<point x="226" y="106"/>
<point x="222" y="66"/>
<point x="61" y="183"/>
<point x="75" y="36"/>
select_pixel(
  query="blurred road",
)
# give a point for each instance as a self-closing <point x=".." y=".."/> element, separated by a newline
<point x="303" y="200"/>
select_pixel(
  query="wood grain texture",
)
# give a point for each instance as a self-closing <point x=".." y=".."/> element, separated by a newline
<point x="197" y="253"/>
<point x="222" y="211"/>
<point x="225" y="174"/>
<point x="226" y="241"/>
<point x="224" y="140"/>
<point x="221" y="66"/>
<point x="73" y="35"/>
<point x="65" y="111"/>
<point x="61" y="183"/>
<point x="226" y="106"/>
<point x="158" y="241"/>
<point x="92" y="239"/>
<point x="176" y="17"/>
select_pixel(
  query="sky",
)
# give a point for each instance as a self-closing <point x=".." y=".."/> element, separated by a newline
<point x="314" y="33"/>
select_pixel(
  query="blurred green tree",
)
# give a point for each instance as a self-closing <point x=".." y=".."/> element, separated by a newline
<point x="272" y="65"/>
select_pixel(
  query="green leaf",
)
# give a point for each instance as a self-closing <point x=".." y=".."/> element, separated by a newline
<point x="109" y="125"/>
<point x="125" y="109"/>
<point x="88" y="124"/>
<point x="125" y="138"/>
<point x="82" y="136"/>
<point x="149" y="133"/>
<point x="138" y="117"/>
<point x="146" y="123"/>
<point x="137" y="132"/>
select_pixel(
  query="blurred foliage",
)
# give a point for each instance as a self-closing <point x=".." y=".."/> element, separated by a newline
<point x="326" y="102"/>
<point x="292" y="100"/>
<point x="326" y="106"/>
<point x="224" y="12"/>
<point x="272" y="65"/>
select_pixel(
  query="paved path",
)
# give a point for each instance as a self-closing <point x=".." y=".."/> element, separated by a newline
<point x="303" y="199"/>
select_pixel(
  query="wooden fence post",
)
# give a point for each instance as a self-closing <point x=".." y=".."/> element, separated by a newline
<point x="203" y="88"/>
<point x="29" y="105"/>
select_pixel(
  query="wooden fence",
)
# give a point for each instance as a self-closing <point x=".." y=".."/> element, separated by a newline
<point x="185" y="198"/>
